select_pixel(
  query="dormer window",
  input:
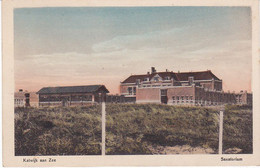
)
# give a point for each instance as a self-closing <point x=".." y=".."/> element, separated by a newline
<point x="146" y="79"/>
<point x="191" y="80"/>
<point x="156" y="78"/>
<point x="167" y="78"/>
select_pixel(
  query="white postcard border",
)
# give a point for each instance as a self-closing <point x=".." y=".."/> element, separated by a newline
<point x="9" y="159"/>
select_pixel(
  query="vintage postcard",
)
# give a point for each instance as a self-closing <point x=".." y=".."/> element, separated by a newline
<point x="131" y="83"/>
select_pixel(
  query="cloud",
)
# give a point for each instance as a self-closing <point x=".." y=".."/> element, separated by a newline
<point x="113" y="60"/>
<point x="137" y="41"/>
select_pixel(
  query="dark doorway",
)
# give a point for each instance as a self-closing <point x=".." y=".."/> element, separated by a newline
<point x="164" y="98"/>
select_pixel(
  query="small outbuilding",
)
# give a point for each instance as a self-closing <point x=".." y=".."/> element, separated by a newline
<point x="72" y="95"/>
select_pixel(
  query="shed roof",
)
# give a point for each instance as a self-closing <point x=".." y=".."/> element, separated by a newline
<point x="73" y="89"/>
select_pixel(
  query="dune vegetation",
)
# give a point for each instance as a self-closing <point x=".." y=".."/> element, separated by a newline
<point x="130" y="129"/>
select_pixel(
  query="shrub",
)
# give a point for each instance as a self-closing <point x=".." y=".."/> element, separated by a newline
<point x="130" y="129"/>
<point x="58" y="131"/>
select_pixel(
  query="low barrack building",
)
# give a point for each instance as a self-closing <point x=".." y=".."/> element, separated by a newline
<point x="72" y="95"/>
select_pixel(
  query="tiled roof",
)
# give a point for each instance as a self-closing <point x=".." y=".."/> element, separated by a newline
<point x="202" y="75"/>
<point x="73" y="89"/>
<point x="133" y="78"/>
<point x="180" y="76"/>
<point x="19" y="95"/>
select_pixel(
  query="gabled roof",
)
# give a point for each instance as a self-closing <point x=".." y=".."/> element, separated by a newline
<point x="73" y="89"/>
<point x="133" y="78"/>
<point x="179" y="76"/>
<point x="201" y="75"/>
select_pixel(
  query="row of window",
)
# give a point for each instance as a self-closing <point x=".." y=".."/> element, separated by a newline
<point x="156" y="85"/>
<point x="19" y="101"/>
<point x="182" y="97"/>
<point x="72" y="98"/>
<point x="182" y="101"/>
<point x="156" y="78"/>
<point x="196" y="102"/>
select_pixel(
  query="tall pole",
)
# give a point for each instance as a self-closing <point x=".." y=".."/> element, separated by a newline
<point x="103" y="128"/>
<point x="220" y="141"/>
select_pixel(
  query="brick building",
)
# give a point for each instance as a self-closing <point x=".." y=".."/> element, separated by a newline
<point x="180" y="88"/>
<point x="34" y="99"/>
<point x="21" y="98"/>
<point x="72" y="95"/>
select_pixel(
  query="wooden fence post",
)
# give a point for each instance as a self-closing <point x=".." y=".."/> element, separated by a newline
<point x="220" y="141"/>
<point x="103" y="151"/>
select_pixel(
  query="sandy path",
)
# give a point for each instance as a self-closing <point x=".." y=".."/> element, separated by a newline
<point x="185" y="149"/>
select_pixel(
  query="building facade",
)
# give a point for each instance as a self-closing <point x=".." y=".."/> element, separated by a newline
<point x="72" y="95"/>
<point x="21" y="98"/>
<point x="34" y="99"/>
<point x="180" y="88"/>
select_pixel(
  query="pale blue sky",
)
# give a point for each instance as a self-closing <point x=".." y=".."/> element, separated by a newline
<point x="81" y="46"/>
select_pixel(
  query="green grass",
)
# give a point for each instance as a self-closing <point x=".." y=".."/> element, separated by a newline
<point x="238" y="128"/>
<point x="130" y="129"/>
<point x="138" y="126"/>
<point x="58" y="131"/>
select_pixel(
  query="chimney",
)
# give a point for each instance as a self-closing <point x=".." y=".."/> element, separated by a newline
<point x="138" y="81"/>
<point x="166" y="70"/>
<point x="148" y="73"/>
<point x="153" y="70"/>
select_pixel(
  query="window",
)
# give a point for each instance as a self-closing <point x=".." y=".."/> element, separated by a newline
<point x="187" y="97"/>
<point x="163" y="92"/>
<point x="191" y="79"/>
<point x="167" y="78"/>
<point x="173" y="97"/>
<point x="130" y="90"/>
<point x="134" y="88"/>
<point x="190" y="97"/>
<point x="182" y="97"/>
<point x="177" y="97"/>
<point x="146" y="79"/>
